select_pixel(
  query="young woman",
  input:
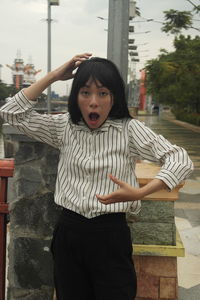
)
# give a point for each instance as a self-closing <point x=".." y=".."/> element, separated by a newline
<point x="96" y="185"/>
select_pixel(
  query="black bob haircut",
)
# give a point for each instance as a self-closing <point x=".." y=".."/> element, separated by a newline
<point x="107" y="74"/>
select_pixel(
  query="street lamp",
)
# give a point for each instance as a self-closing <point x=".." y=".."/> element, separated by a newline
<point x="0" y="71"/>
<point x="49" y="20"/>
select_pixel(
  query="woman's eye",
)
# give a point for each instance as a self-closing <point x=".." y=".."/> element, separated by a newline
<point x="84" y="93"/>
<point x="103" y="94"/>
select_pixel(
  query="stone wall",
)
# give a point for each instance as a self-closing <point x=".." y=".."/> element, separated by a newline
<point x="155" y="224"/>
<point x="33" y="214"/>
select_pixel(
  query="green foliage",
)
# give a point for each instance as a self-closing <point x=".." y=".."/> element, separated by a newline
<point x="6" y="91"/>
<point x="176" y="20"/>
<point x="187" y="117"/>
<point x="173" y="78"/>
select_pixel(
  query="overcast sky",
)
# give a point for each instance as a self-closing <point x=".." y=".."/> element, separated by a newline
<point x="75" y="29"/>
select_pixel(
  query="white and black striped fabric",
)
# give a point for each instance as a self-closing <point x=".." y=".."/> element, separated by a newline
<point x="87" y="157"/>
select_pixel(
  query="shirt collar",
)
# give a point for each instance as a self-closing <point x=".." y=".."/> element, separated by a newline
<point x="114" y="123"/>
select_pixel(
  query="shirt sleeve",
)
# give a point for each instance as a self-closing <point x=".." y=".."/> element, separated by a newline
<point x="146" y="144"/>
<point x="19" y="112"/>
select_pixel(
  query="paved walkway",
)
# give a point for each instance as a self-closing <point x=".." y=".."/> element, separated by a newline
<point x="187" y="208"/>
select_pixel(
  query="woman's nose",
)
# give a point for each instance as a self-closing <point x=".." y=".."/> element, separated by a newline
<point x="93" y="100"/>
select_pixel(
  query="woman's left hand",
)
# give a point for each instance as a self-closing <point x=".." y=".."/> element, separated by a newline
<point x="124" y="193"/>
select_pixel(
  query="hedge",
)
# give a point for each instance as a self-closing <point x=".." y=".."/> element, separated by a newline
<point x="192" y="118"/>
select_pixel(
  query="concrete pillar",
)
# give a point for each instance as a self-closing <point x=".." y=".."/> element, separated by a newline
<point x="33" y="215"/>
<point x="118" y="30"/>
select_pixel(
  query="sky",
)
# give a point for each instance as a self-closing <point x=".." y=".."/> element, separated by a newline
<point x="76" y="29"/>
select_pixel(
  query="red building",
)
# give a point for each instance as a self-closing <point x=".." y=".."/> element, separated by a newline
<point x="142" y="104"/>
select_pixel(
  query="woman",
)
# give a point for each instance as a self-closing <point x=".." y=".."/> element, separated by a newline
<point x="96" y="185"/>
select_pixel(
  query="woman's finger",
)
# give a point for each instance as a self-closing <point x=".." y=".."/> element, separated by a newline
<point x="107" y="197"/>
<point x="116" y="180"/>
<point x="81" y="57"/>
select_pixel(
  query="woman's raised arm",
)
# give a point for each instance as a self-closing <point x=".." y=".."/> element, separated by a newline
<point x="64" y="72"/>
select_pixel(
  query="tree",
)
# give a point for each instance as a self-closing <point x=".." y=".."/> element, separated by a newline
<point x="173" y="78"/>
<point x="6" y="91"/>
<point x="176" y="20"/>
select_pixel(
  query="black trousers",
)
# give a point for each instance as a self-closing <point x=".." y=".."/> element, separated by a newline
<point x="93" y="258"/>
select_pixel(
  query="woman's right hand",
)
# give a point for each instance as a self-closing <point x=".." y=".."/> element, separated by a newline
<point x="62" y="73"/>
<point x="65" y="71"/>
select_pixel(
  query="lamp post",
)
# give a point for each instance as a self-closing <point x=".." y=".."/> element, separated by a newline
<point x="118" y="28"/>
<point x="0" y="71"/>
<point x="49" y="20"/>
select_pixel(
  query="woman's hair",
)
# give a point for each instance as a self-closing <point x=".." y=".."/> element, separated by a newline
<point x="108" y="75"/>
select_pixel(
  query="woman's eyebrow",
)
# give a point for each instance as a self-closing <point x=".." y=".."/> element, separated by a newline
<point x="98" y="86"/>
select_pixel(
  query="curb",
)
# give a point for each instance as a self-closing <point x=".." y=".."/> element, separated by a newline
<point x="184" y="124"/>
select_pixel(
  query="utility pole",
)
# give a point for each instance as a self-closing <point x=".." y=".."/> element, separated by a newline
<point x="118" y="31"/>
<point x="0" y="72"/>
<point x="49" y="54"/>
<point x="49" y="20"/>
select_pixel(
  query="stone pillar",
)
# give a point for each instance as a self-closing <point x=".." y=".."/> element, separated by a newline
<point x="156" y="224"/>
<point x="33" y="214"/>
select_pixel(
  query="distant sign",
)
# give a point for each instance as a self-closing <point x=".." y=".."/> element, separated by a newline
<point x="54" y="2"/>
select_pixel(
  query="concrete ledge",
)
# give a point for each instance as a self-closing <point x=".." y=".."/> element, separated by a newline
<point x="8" y="129"/>
<point x="161" y="250"/>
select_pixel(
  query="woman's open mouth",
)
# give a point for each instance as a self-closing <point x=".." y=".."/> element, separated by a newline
<point x="93" y="118"/>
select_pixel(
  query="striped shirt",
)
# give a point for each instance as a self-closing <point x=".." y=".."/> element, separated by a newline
<point x="88" y="156"/>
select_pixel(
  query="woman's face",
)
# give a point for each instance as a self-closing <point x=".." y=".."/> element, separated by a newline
<point x="95" y="102"/>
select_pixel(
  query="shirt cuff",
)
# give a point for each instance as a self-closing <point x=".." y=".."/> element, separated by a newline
<point x="168" y="178"/>
<point x="23" y="101"/>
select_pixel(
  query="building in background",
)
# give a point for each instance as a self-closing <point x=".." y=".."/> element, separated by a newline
<point x="142" y="90"/>
<point x="22" y="75"/>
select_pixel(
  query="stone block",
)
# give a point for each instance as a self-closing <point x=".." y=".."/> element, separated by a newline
<point x="50" y="162"/>
<point x="26" y="188"/>
<point x="22" y="294"/>
<point x="148" y="286"/>
<point x="30" y="173"/>
<point x="50" y="182"/>
<point x="8" y="149"/>
<point x="30" y="258"/>
<point x="153" y="233"/>
<point x="34" y="216"/>
<point x="29" y="151"/>
<point x="157" y="211"/>
<point x="168" y="288"/>
<point x="158" y="266"/>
